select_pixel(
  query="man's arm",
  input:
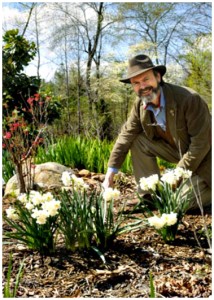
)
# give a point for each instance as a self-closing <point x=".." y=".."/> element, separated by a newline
<point x="128" y="133"/>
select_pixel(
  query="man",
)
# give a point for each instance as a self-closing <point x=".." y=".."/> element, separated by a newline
<point x="166" y="121"/>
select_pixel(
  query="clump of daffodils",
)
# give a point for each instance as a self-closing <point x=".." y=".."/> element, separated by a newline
<point x="41" y="206"/>
<point x="171" y="177"/>
<point x="170" y="197"/>
<point x="72" y="181"/>
<point x="163" y="220"/>
<point x="111" y="194"/>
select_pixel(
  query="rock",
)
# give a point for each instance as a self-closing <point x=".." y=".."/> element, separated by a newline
<point x="47" y="176"/>
<point x="11" y="187"/>
<point x="99" y="177"/>
<point x="84" y="173"/>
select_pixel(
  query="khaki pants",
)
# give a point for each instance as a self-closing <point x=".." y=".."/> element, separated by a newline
<point x="144" y="155"/>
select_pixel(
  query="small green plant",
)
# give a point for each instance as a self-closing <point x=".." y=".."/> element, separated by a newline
<point x="75" y="219"/>
<point x="7" y="166"/>
<point x="152" y="293"/>
<point x="87" y="219"/>
<point x="168" y="198"/>
<point x="75" y="213"/>
<point x="109" y="225"/>
<point x="33" y="219"/>
<point x="205" y="232"/>
<point x="8" y="291"/>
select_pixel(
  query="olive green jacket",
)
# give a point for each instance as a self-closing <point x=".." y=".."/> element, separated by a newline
<point x="189" y="121"/>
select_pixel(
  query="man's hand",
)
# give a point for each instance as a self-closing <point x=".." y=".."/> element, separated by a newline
<point x="109" y="179"/>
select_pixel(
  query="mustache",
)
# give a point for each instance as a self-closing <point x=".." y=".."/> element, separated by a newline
<point x="148" y="88"/>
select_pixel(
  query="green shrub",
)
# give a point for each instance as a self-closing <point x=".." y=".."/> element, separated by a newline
<point x="79" y="152"/>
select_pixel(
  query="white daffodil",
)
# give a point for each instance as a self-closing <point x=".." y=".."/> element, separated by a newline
<point x="40" y="216"/>
<point x="152" y="181"/>
<point x="47" y="197"/>
<point x="156" y="222"/>
<point x="182" y="173"/>
<point x="76" y="179"/>
<point x="12" y="214"/>
<point x="143" y="184"/>
<point x="51" y="207"/>
<point x="178" y="172"/>
<point x="110" y="194"/>
<point x="22" y="198"/>
<point x="79" y="183"/>
<point x="36" y="197"/>
<point x="35" y="213"/>
<point x="169" y="177"/>
<point x="66" y="178"/>
<point x="169" y="219"/>
<point x="29" y="206"/>
<point x="34" y="193"/>
<point x="149" y="183"/>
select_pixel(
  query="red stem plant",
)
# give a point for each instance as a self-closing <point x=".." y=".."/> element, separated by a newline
<point x="22" y="134"/>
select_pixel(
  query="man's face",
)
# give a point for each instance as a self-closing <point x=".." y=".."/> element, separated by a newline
<point x="147" y="86"/>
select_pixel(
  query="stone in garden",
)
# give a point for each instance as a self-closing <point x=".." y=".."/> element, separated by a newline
<point x="85" y="173"/>
<point x="99" y="177"/>
<point x="47" y="176"/>
<point x="90" y="177"/>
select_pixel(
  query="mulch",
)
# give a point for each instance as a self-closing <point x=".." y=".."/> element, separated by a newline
<point x="181" y="268"/>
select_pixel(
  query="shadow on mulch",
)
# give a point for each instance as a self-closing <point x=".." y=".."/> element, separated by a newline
<point x="143" y="254"/>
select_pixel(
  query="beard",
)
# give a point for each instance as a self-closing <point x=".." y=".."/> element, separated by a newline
<point x="151" y="96"/>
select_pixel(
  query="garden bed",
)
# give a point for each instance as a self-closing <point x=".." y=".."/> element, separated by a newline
<point x="179" y="269"/>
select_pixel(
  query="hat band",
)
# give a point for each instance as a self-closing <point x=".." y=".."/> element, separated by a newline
<point x="138" y="68"/>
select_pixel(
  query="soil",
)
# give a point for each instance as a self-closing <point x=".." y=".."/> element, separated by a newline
<point x="135" y="260"/>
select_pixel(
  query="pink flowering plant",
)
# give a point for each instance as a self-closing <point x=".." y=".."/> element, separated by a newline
<point x="22" y="134"/>
<point x="33" y="220"/>
<point x="171" y="198"/>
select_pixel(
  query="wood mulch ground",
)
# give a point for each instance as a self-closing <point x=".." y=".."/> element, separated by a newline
<point x="180" y="269"/>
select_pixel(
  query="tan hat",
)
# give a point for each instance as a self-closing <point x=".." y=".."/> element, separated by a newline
<point x="140" y="64"/>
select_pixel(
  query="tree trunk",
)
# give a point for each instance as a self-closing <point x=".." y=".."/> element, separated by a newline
<point x="91" y="52"/>
<point x="20" y="177"/>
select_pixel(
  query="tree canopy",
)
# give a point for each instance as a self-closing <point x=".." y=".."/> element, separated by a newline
<point x="90" y="43"/>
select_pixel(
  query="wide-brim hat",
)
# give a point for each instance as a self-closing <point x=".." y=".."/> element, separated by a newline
<point x="140" y="64"/>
